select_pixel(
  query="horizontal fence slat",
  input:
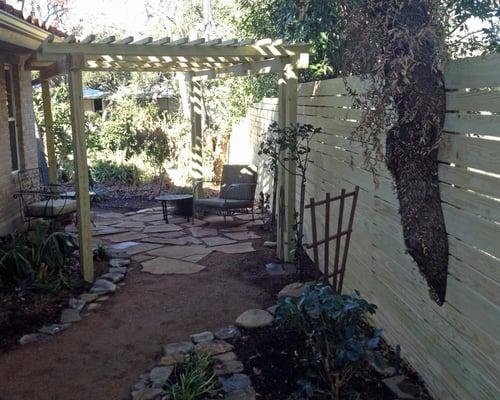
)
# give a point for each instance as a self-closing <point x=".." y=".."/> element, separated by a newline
<point x="457" y="344"/>
<point x="473" y="72"/>
<point x="332" y="87"/>
<point x="485" y="207"/>
<point x="487" y="125"/>
<point x="470" y="152"/>
<point x="478" y="182"/>
<point x="484" y="100"/>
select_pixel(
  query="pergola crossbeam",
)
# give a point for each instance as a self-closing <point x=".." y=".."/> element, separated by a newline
<point x="200" y="60"/>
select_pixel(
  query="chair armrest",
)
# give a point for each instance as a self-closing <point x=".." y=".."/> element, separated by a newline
<point x="235" y="187"/>
<point x="46" y="193"/>
<point x="198" y="183"/>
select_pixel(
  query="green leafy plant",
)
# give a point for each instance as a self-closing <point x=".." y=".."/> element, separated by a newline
<point x="36" y="259"/>
<point x="285" y="146"/>
<point x="100" y="252"/>
<point x="198" y="379"/>
<point x="106" y="171"/>
<point x="336" y="343"/>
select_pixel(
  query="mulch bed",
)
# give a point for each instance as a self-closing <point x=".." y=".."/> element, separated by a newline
<point x="25" y="312"/>
<point x="272" y="357"/>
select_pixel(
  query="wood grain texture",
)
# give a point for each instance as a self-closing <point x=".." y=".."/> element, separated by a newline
<point x="455" y="347"/>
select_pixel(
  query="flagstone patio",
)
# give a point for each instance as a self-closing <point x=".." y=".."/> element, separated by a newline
<point x="178" y="247"/>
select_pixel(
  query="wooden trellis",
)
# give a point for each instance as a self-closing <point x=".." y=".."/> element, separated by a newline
<point x="336" y="277"/>
<point x="200" y="59"/>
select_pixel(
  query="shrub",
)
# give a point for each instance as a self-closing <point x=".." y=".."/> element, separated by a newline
<point x="198" y="379"/>
<point x="105" y="171"/>
<point x="336" y="343"/>
<point x="36" y="260"/>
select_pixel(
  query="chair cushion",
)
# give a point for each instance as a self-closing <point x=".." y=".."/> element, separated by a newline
<point x="222" y="203"/>
<point x="50" y="208"/>
<point x="72" y="194"/>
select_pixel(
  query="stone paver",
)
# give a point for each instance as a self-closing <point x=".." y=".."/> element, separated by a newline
<point x="235" y="383"/>
<point x="69" y="315"/>
<point x="109" y="215"/>
<point x="163" y="266"/>
<point x="141" y="257"/>
<point x="178" y="348"/>
<point x="229" y="332"/>
<point x="107" y="230"/>
<point x="254" y="319"/>
<point x="229" y="356"/>
<point x="123" y="245"/>
<point x="142" y="248"/>
<point x="168" y="235"/>
<point x="125" y="237"/>
<point x="229" y="367"/>
<point x="243" y="247"/>
<point x="217" y="241"/>
<point x="216" y="219"/>
<point x="158" y="217"/>
<point x="162" y="228"/>
<point x="245" y="235"/>
<point x="103" y="286"/>
<point x="199" y="232"/>
<point x="181" y="252"/>
<point x="292" y="290"/>
<point x="214" y="347"/>
<point x="114" y="277"/>
<point x="159" y="376"/>
<point x="130" y="224"/>
<point x="119" y="262"/>
<point x="206" y="336"/>
<point x="171" y="242"/>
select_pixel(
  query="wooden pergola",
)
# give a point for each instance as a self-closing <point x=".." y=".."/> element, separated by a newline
<point x="200" y="59"/>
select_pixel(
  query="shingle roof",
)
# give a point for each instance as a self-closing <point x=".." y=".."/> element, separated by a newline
<point x="31" y="20"/>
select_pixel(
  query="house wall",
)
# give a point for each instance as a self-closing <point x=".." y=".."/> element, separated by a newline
<point x="455" y="347"/>
<point x="27" y="143"/>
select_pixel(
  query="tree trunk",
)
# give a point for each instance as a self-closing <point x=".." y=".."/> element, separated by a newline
<point x="300" y="227"/>
<point x="411" y="156"/>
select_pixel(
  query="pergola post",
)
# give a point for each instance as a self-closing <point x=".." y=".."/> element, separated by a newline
<point x="287" y="115"/>
<point x="281" y="226"/>
<point x="81" y="169"/>
<point x="290" y="177"/>
<point x="196" y="132"/>
<point x="49" y="132"/>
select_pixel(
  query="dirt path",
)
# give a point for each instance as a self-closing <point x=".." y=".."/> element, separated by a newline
<point x="100" y="357"/>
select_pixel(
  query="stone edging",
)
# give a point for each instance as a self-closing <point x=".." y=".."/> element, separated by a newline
<point x="104" y="286"/>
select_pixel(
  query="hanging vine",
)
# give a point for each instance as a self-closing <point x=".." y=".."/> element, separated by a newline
<point x="398" y="46"/>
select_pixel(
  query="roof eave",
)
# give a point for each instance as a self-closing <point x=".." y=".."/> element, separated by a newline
<point x="21" y="33"/>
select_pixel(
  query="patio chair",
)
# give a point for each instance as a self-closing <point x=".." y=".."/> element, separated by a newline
<point x="237" y="192"/>
<point x="38" y="200"/>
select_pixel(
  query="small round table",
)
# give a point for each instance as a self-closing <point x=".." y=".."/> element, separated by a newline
<point x="183" y="204"/>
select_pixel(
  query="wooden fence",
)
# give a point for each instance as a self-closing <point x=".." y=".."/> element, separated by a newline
<point x="456" y="347"/>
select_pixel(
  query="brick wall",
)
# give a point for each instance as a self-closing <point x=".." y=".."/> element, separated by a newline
<point x="28" y="157"/>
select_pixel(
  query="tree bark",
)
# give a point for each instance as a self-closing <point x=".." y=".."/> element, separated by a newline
<point x="412" y="157"/>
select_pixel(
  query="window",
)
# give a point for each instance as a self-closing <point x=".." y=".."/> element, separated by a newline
<point x="98" y="105"/>
<point x="14" y="150"/>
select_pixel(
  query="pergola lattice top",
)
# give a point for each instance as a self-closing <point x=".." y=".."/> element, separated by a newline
<point x="205" y="59"/>
<point x="202" y="59"/>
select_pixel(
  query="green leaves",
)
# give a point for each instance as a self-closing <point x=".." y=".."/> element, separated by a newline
<point x="197" y="380"/>
<point x="36" y="259"/>
<point x="333" y="324"/>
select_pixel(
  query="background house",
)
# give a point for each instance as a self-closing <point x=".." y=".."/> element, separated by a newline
<point x="18" y="137"/>
<point x="94" y="100"/>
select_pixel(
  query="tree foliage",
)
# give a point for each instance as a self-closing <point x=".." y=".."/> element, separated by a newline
<point x="470" y="26"/>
